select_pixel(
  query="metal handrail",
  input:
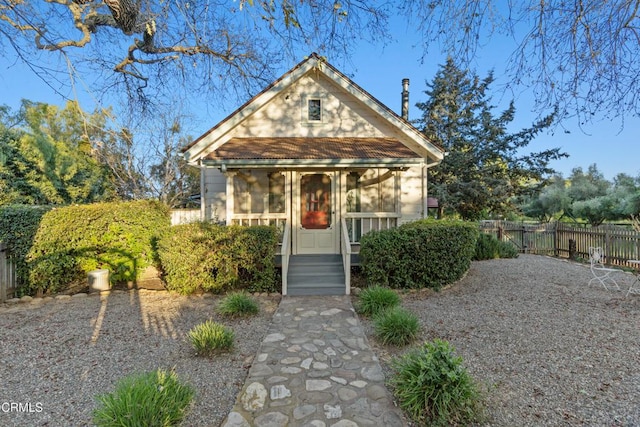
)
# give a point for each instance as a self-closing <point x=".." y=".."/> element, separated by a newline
<point x="346" y="256"/>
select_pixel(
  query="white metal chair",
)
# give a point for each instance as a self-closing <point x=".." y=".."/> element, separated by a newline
<point x="598" y="269"/>
<point x="635" y="285"/>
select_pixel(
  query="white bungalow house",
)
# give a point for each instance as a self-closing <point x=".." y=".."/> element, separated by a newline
<point x="320" y="158"/>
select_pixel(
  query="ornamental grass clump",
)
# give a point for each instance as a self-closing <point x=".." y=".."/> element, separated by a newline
<point x="237" y="304"/>
<point x="156" y="398"/>
<point x="396" y="326"/>
<point x="375" y="300"/>
<point x="434" y="388"/>
<point x="209" y="338"/>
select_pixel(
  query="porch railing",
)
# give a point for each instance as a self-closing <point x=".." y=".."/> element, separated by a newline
<point x="346" y="255"/>
<point x="358" y="224"/>
<point x="260" y="219"/>
<point x="285" y="253"/>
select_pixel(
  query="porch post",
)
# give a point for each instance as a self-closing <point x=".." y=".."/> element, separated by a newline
<point x="230" y="199"/>
<point x="203" y="200"/>
<point x="398" y="194"/>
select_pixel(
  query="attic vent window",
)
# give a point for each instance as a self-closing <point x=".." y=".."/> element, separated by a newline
<point x="314" y="110"/>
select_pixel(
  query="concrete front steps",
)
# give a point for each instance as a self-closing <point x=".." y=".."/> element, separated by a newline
<point x="315" y="275"/>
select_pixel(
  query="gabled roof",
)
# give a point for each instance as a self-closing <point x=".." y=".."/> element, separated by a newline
<point x="200" y="147"/>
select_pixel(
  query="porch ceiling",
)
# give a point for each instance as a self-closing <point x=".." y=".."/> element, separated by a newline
<point x="312" y="149"/>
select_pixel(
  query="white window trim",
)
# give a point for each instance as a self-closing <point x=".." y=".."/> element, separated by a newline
<point x="304" y="109"/>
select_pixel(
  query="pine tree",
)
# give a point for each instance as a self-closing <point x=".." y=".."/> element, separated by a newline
<point x="485" y="167"/>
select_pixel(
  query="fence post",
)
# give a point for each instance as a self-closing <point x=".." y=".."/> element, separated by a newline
<point x="607" y="243"/>
<point x="572" y="249"/>
<point x="4" y="273"/>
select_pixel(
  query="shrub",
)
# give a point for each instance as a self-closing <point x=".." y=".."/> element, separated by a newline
<point x="396" y="326"/>
<point x="434" y="388"/>
<point x="489" y="247"/>
<point x="209" y="338"/>
<point x="425" y="253"/>
<point x="73" y="240"/>
<point x="18" y="227"/>
<point x="508" y="250"/>
<point x="237" y="304"/>
<point x="154" y="398"/>
<point x="376" y="299"/>
<point x="210" y="257"/>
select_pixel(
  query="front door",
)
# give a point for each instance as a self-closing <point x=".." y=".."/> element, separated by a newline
<point x="315" y="222"/>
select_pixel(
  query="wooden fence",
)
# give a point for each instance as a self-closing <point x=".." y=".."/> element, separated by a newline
<point x="184" y="216"/>
<point x="7" y="274"/>
<point x="619" y="243"/>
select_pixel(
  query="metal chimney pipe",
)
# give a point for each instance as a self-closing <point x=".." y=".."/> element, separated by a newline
<point x="405" y="99"/>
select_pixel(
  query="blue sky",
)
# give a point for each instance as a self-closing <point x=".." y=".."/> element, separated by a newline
<point x="380" y="70"/>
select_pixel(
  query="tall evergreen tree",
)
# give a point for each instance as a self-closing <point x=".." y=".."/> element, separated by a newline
<point x="46" y="156"/>
<point x="485" y="166"/>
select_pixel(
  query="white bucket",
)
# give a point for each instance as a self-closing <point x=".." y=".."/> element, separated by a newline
<point x="99" y="280"/>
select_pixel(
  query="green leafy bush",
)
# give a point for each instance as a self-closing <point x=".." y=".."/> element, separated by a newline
<point x="156" y="398"/>
<point x="426" y="253"/>
<point x="434" y="388"/>
<point x="508" y="250"/>
<point x="18" y="227"/>
<point x="376" y="299"/>
<point x="237" y="304"/>
<point x="211" y="257"/>
<point x="396" y="326"/>
<point x="489" y="247"/>
<point x="209" y="338"/>
<point x="73" y="240"/>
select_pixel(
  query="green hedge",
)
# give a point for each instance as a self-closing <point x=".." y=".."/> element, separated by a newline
<point x="18" y="227"/>
<point x="425" y="253"/>
<point x="73" y="240"/>
<point x="208" y="257"/>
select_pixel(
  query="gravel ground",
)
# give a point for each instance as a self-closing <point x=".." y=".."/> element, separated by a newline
<point x="547" y="349"/>
<point x="58" y="355"/>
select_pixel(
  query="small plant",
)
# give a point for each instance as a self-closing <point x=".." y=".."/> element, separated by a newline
<point x="396" y="326"/>
<point x="489" y="247"/>
<point x="210" y="337"/>
<point x="508" y="250"/>
<point x="155" y="398"/>
<point x="434" y="388"/>
<point x="237" y="304"/>
<point x="375" y="300"/>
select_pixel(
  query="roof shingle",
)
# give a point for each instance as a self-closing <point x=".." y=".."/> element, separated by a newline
<point x="311" y="149"/>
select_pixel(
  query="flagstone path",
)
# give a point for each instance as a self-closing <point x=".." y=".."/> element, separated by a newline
<point x="315" y="368"/>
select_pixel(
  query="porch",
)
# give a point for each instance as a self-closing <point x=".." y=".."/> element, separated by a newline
<point x="321" y="216"/>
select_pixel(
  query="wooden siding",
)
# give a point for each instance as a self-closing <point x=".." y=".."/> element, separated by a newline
<point x="284" y="116"/>
<point x="213" y="194"/>
<point x="411" y="195"/>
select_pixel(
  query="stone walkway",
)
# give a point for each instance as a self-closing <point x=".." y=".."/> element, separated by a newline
<point x="315" y="368"/>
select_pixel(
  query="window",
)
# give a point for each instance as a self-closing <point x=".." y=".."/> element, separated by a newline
<point x="371" y="190"/>
<point x="314" y="110"/>
<point x="258" y="191"/>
